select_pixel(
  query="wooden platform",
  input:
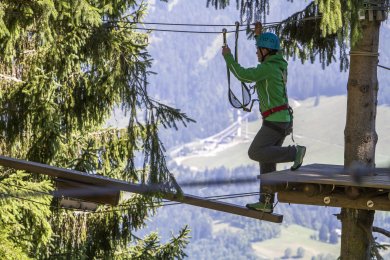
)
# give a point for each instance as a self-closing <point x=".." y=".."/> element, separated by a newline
<point x="378" y="178"/>
<point x="112" y="185"/>
<point x="332" y="185"/>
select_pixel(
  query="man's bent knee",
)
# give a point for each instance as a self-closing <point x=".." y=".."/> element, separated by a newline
<point x="258" y="154"/>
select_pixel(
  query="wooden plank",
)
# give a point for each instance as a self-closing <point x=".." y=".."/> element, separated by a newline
<point x="336" y="200"/>
<point x="226" y="207"/>
<point x="105" y="182"/>
<point x="329" y="174"/>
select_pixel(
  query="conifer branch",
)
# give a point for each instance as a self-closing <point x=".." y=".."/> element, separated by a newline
<point x="381" y="231"/>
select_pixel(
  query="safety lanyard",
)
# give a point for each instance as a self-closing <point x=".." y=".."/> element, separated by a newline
<point x="245" y="91"/>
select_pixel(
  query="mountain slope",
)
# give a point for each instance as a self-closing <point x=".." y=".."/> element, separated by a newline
<point x="320" y="128"/>
<point x="192" y="73"/>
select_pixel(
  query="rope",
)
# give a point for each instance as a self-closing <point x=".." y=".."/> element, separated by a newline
<point x="364" y="53"/>
<point x="369" y="54"/>
<point x="245" y="92"/>
<point x="244" y="88"/>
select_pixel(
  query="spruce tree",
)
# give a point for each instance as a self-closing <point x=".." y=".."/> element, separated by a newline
<point x="65" y="65"/>
<point x="343" y="25"/>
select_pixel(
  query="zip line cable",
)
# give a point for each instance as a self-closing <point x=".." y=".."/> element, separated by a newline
<point x="244" y="180"/>
<point x="114" y="24"/>
<point x="124" y="207"/>
<point x="383" y="67"/>
<point x="187" y="24"/>
<point x="212" y="25"/>
<point x="211" y="198"/>
<point x="175" y="24"/>
<point x="179" y="31"/>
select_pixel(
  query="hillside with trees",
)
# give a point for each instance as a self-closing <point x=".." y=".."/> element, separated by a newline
<point x="342" y="30"/>
<point x="192" y="76"/>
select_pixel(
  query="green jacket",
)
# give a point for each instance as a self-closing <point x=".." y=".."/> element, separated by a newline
<point x="271" y="78"/>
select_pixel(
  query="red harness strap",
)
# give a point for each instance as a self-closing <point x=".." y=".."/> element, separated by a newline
<point x="274" y="110"/>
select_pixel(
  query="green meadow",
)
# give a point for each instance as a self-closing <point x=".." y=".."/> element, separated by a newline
<point x="320" y="128"/>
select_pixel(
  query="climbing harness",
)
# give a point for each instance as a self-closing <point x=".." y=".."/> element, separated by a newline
<point x="245" y="90"/>
<point x="274" y="110"/>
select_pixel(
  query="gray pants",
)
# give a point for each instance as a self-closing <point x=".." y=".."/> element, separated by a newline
<point x="267" y="149"/>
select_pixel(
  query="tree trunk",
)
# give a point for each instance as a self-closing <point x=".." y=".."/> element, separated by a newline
<point x="360" y="136"/>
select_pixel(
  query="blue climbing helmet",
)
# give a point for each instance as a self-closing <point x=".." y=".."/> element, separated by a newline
<point x="268" y="40"/>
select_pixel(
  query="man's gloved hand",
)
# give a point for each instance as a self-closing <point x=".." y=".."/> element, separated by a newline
<point x="225" y="50"/>
<point x="258" y="28"/>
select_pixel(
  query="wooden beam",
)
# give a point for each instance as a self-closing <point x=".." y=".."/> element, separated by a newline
<point x="336" y="200"/>
<point x="225" y="207"/>
<point x="114" y="184"/>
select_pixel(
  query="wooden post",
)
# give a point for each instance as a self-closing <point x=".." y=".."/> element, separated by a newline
<point x="360" y="136"/>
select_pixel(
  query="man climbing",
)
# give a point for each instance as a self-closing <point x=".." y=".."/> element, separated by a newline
<point x="270" y="77"/>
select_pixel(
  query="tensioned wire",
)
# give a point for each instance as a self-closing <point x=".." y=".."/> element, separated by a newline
<point x="123" y="207"/>
<point x="34" y="201"/>
<point x="266" y="25"/>
<point x="383" y="67"/>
